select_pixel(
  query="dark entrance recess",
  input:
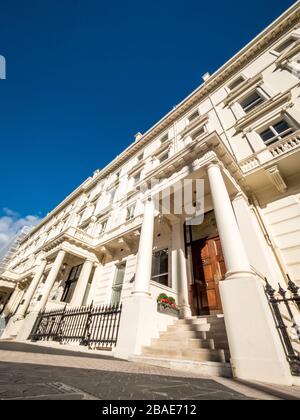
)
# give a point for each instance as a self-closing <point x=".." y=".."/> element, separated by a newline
<point x="207" y="266"/>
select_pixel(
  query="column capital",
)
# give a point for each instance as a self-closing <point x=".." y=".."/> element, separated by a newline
<point x="214" y="163"/>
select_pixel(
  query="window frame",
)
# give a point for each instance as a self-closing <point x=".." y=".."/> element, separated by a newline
<point x="193" y="115"/>
<point x="130" y="214"/>
<point x="277" y="136"/>
<point x="234" y="81"/>
<point x="254" y="104"/>
<point x="72" y="278"/>
<point x="155" y="277"/>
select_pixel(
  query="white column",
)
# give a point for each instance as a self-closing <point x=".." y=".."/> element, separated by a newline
<point x="256" y="350"/>
<point x="233" y="248"/>
<point x="50" y="280"/>
<point x="138" y="324"/>
<point x="258" y="250"/>
<point x="31" y="290"/>
<point x="179" y="269"/>
<point x="144" y="257"/>
<point x="95" y="281"/>
<point x="10" y="304"/>
<point x="82" y="283"/>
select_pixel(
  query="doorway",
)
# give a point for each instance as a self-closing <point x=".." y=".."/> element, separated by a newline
<point x="207" y="265"/>
<point x="208" y="270"/>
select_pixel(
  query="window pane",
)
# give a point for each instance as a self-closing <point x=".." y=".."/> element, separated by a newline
<point x="267" y="134"/>
<point x="251" y="102"/>
<point x="236" y="83"/>
<point x="285" y="45"/>
<point x="281" y="127"/>
<point x="160" y="267"/>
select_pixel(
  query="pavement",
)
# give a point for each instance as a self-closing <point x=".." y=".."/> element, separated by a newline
<point x="34" y="372"/>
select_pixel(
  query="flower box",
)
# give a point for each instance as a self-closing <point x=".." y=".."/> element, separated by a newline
<point x="167" y="309"/>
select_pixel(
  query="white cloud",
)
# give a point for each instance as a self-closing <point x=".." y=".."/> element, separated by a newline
<point x="11" y="223"/>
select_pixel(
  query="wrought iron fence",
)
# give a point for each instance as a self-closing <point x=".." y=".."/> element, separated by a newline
<point x="92" y="326"/>
<point x="288" y="302"/>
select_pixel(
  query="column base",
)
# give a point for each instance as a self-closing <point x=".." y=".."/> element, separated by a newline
<point x="2" y="325"/>
<point x="137" y="326"/>
<point x="256" y="350"/>
<point x="231" y="275"/>
<point x="13" y="327"/>
<point x="184" y="311"/>
<point x="27" y="326"/>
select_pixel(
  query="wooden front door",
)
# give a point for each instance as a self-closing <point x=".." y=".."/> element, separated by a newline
<point x="209" y="268"/>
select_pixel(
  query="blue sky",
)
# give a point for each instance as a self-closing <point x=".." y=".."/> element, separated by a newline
<point x="83" y="76"/>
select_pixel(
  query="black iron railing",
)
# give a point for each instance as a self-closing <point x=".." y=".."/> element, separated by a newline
<point x="92" y="326"/>
<point x="285" y="304"/>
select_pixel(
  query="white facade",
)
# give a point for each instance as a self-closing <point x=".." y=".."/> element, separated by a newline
<point x="240" y="133"/>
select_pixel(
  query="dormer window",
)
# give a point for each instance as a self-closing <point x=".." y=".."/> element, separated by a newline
<point x="251" y="101"/>
<point x="193" y="116"/>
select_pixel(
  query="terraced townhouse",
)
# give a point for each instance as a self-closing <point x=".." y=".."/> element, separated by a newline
<point x="92" y="271"/>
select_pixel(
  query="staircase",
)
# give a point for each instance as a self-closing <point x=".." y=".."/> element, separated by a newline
<point x="197" y="344"/>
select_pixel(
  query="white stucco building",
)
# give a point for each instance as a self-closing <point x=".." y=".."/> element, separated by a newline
<point x="107" y="243"/>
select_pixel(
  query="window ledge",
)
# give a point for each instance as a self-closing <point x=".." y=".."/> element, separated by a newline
<point x="242" y="88"/>
<point x="202" y="119"/>
<point x="287" y="55"/>
<point x="162" y="286"/>
<point x="264" y="108"/>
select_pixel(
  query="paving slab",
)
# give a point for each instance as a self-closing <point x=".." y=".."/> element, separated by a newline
<point x="31" y="372"/>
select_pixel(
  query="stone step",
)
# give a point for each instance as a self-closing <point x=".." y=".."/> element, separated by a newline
<point x="209" y="343"/>
<point x="207" y="369"/>
<point x="205" y="320"/>
<point x="205" y="335"/>
<point x="190" y="343"/>
<point x="196" y="327"/>
<point x="186" y="354"/>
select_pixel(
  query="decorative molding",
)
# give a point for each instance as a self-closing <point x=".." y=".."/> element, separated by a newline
<point x="242" y="88"/>
<point x="290" y="53"/>
<point x="195" y="124"/>
<point x="264" y="108"/>
<point x="270" y="35"/>
<point x="276" y="178"/>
